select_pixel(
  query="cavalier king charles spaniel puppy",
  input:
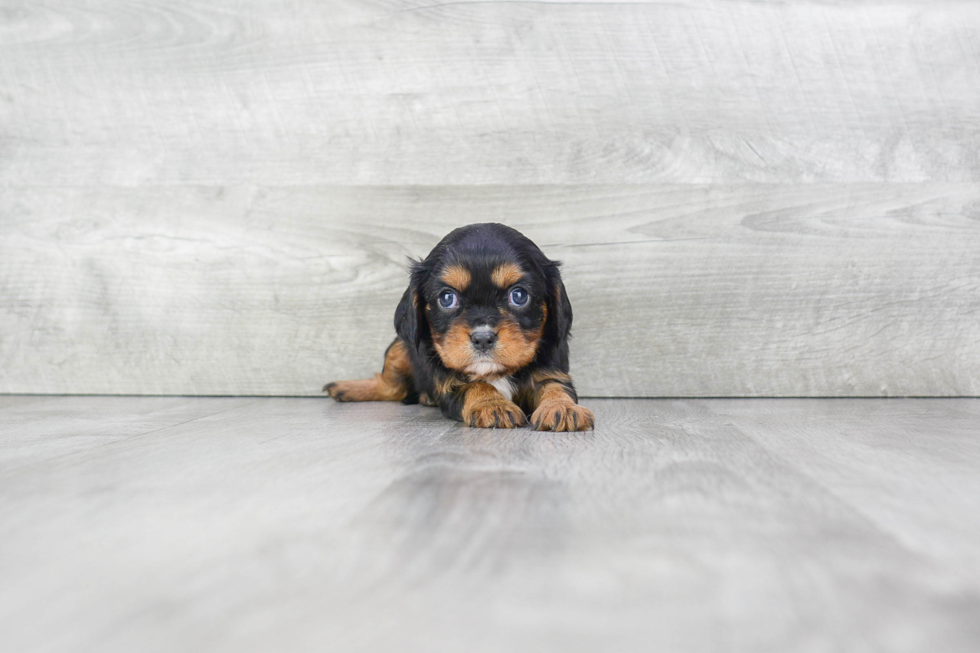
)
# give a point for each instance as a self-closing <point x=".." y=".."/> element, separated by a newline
<point x="483" y="333"/>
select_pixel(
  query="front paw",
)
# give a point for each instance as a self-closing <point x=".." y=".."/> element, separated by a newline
<point x="562" y="417"/>
<point x="501" y="414"/>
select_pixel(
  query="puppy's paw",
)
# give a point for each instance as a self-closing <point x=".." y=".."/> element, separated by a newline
<point x="500" y="414"/>
<point x="362" y="390"/>
<point x="562" y="417"/>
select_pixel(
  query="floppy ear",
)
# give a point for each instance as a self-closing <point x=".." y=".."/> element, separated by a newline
<point x="410" y="322"/>
<point x="559" y="308"/>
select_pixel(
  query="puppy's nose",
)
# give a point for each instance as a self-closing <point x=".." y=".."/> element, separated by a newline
<point x="483" y="340"/>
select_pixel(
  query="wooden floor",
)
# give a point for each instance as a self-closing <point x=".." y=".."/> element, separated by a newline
<point x="207" y="524"/>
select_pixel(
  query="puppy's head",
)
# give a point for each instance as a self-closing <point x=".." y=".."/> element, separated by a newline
<point x="487" y="299"/>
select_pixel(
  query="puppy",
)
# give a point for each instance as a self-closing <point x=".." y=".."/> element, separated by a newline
<point x="483" y="333"/>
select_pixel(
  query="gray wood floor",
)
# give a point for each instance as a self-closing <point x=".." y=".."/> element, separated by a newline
<point x="225" y="524"/>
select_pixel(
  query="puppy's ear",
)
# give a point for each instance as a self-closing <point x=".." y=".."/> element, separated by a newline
<point x="559" y="308"/>
<point x="410" y="322"/>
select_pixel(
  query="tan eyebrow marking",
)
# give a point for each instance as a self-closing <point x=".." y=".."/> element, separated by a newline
<point x="456" y="276"/>
<point x="506" y="275"/>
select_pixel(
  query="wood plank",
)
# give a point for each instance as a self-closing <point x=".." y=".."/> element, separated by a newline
<point x="41" y="429"/>
<point x="880" y="467"/>
<point x="416" y="92"/>
<point x="297" y="524"/>
<point x="749" y="290"/>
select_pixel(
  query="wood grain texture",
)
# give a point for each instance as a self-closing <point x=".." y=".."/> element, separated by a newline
<point x="418" y="92"/>
<point x="297" y="524"/>
<point x="217" y="197"/>
<point x="45" y="429"/>
<point x="809" y="290"/>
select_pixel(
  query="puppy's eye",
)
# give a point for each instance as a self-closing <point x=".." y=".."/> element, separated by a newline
<point x="448" y="299"/>
<point x="518" y="296"/>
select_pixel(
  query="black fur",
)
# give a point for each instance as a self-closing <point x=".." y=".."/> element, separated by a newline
<point x="494" y="351"/>
<point x="482" y="247"/>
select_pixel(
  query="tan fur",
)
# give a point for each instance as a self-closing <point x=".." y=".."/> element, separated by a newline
<point x="390" y="385"/>
<point x="557" y="412"/>
<point x="484" y="407"/>
<point x="506" y="275"/>
<point x="447" y="385"/>
<point x="456" y="276"/>
<point x="454" y="346"/>
<point x="541" y="375"/>
<point x="516" y="347"/>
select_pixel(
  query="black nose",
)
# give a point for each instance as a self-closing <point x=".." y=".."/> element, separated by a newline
<point x="483" y="340"/>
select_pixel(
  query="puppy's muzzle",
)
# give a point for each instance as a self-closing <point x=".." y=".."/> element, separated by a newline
<point x="483" y="340"/>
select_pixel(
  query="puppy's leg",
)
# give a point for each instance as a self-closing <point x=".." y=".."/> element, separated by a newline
<point x="479" y="405"/>
<point x="394" y="383"/>
<point x="554" y="401"/>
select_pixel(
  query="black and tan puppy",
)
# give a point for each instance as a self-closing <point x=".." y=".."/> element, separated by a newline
<point x="483" y="333"/>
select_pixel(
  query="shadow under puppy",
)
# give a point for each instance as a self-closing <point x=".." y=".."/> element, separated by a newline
<point x="483" y="333"/>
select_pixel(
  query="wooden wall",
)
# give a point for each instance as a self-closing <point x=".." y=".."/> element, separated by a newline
<point x="750" y="197"/>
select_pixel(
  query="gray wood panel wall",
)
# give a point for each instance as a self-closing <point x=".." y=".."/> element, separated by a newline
<point x="751" y="198"/>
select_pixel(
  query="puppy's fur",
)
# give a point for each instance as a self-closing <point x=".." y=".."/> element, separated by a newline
<point x="483" y="333"/>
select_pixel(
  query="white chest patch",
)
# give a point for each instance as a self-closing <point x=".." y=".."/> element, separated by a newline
<point x="483" y="368"/>
<point x="504" y="387"/>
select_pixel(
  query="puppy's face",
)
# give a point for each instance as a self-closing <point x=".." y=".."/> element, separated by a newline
<point x="486" y="312"/>
<point x="487" y="302"/>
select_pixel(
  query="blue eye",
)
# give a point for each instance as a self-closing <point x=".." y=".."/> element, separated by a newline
<point x="448" y="299"/>
<point x="518" y="296"/>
